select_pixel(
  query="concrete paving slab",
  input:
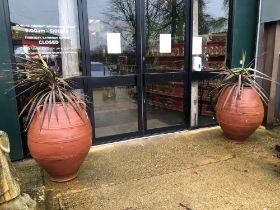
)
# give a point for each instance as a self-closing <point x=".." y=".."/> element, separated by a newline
<point x="197" y="169"/>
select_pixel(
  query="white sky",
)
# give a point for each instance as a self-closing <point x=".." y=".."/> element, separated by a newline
<point x="215" y="8"/>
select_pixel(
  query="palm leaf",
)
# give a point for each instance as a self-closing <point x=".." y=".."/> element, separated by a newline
<point x="63" y="104"/>
<point x="240" y="77"/>
<point x="74" y="104"/>
<point x="228" y="95"/>
<point x="50" y="107"/>
<point x="44" y="89"/>
<point x="44" y="108"/>
<point x="55" y="108"/>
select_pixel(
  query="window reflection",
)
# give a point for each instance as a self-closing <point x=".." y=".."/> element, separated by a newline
<point x="112" y="37"/>
<point x="207" y="100"/>
<point x="165" y="103"/>
<point x="115" y="110"/>
<point x="211" y="23"/>
<point x="164" y="26"/>
<point x="51" y="29"/>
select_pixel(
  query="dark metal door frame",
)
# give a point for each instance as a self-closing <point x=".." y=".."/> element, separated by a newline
<point x="140" y="78"/>
<point x="87" y="83"/>
<point x="119" y="80"/>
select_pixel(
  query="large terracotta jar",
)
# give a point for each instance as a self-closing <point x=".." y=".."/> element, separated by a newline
<point x="239" y="119"/>
<point x="60" y="147"/>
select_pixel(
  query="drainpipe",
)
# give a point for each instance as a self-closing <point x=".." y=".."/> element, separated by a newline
<point x="258" y="34"/>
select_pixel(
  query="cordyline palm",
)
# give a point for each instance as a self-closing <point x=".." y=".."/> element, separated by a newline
<point x="45" y="89"/>
<point x="237" y="78"/>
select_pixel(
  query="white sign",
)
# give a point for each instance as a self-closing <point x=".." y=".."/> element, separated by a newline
<point x="197" y="63"/>
<point x="197" y="46"/>
<point x="165" y="43"/>
<point x="113" y="43"/>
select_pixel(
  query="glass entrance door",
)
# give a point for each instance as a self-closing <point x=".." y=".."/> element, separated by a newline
<point x="136" y="61"/>
<point x="164" y="63"/>
<point x="136" y="56"/>
<point x="112" y="67"/>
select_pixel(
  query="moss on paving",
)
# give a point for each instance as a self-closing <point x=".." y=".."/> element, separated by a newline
<point x="197" y="169"/>
<point x="31" y="181"/>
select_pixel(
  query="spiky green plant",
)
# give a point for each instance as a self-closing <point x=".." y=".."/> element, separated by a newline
<point x="238" y="78"/>
<point x="45" y="89"/>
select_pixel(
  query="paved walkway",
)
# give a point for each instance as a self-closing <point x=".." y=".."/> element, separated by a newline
<point x="188" y="170"/>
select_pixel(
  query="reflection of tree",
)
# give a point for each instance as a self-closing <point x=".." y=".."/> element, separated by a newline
<point x="122" y="19"/>
<point x="208" y="24"/>
<point x="161" y="16"/>
<point x="226" y="3"/>
<point x="173" y="16"/>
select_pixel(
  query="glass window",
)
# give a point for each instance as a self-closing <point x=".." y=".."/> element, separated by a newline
<point x="115" y="110"/>
<point x="112" y="37"/>
<point x="210" y="27"/>
<point x="204" y="110"/>
<point x="50" y="28"/>
<point x="165" y="104"/>
<point x="164" y="35"/>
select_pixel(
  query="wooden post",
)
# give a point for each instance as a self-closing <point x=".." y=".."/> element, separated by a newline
<point x="268" y="60"/>
<point x="275" y="62"/>
<point x="8" y="113"/>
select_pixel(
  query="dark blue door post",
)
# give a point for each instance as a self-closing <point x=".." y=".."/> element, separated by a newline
<point x="8" y="104"/>
<point x="244" y="29"/>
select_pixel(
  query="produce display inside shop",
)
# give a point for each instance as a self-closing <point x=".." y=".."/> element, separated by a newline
<point x="170" y="95"/>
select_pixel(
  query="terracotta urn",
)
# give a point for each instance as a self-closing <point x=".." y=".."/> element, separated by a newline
<point x="60" y="147"/>
<point x="240" y="116"/>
